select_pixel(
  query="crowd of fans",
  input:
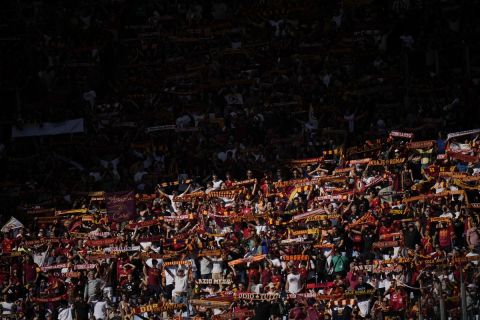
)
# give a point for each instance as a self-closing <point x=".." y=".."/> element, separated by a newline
<point x="276" y="159"/>
<point x="385" y="230"/>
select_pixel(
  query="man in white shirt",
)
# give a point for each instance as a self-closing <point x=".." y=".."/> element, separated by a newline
<point x="172" y="196"/>
<point x="100" y="309"/>
<point x="180" y="279"/>
<point x="6" y="306"/>
<point x="65" y="312"/>
<point x="217" y="183"/>
<point x="294" y="283"/>
<point x="217" y="268"/>
<point x="205" y="268"/>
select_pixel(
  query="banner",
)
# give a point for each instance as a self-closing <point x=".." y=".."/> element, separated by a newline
<point x="359" y="161"/>
<point x="122" y="249"/>
<point x="322" y="217"/>
<point x="307" y="215"/>
<point x="31" y="243"/>
<point x="392" y="261"/>
<point x="155" y="238"/>
<point x="234" y="315"/>
<point x="120" y="205"/>
<point x="210" y="303"/>
<point x="71" y="212"/>
<point x="49" y="128"/>
<point x="465" y="259"/>
<point x="250" y="259"/>
<point x="304" y="232"/>
<point x="373" y="182"/>
<point x="440" y="219"/>
<point x="343" y="170"/>
<point x="257" y="296"/>
<point x="209" y="253"/>
<point x="54" y="267"/>
<point x="398" y="134"/>
<point x="143" y="224"/>
<point x="95" y="257"/>
<point x="386" y="162"/>
<point x="462" y="133"/>
<point x="158" y="256"/>
<point x="454" y="175"/>
<point x="427" y="144"/>
<point x="463" y="157"/>
<point x="70" y="275"/>
<point x="474" y="205"/>
<point x="157" y="307"/>
<point x="306" y="161"/>
<point x="232" y="193"/>
<point x="51" y="299"/>
<point x="39" y="211"/>
<point x="85" y="266"/>
<point x="351" y="293"/>
<point x="289" y="183"/>
<point x="316" y="296"/>
<point x="386" y="244"/>
<point x="320" y="285"/>
<point x="213" y="281"/>
<point x="336" y="198"/>
<point x="471" y="178"/>
<point x="432" y="196"/>
<point x="79" y="235"/>
<point x="367" y="218"/>
<point x="397" y="212"/>
<point x="102" y="242"/>
<point x="243" y="183"/>
<point x="177" y="263"/>
<point x="324" y="246"/>
<point x="393" y="235"/>
<point x="296" y="257"/>
<point x="189" y="197"/>
<point x="319" y="180"/>
<point x="160" y="128"/>
<point x="173" y="183"/>
<point x="378" y="268"/>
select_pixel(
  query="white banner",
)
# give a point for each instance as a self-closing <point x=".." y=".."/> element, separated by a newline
<point x="49" y="128"/>
<point x="462" y="133"/>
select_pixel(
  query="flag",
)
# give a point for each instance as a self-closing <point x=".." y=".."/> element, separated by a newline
<point x="12" y="224"/>
<point x="120" y="205"/>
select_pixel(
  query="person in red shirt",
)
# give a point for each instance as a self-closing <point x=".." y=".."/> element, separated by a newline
<point x="375" y="203"/>
<point x="152" y="277"/>
<point x="303" y="271"/>
<point x="427" y="243"/>
<point x="55" y="284"/>
<point x="276" y="278"/>
<point x="124" y="268"/>
<point x="228" y="180"/>
<point x="386" y="228"/>
<point x="398" y="299"/>
<point x="253" y="276"/>
<point x="444" y="235"/>
<point x="266" y="276"/>
<point x="7" y="244"/>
